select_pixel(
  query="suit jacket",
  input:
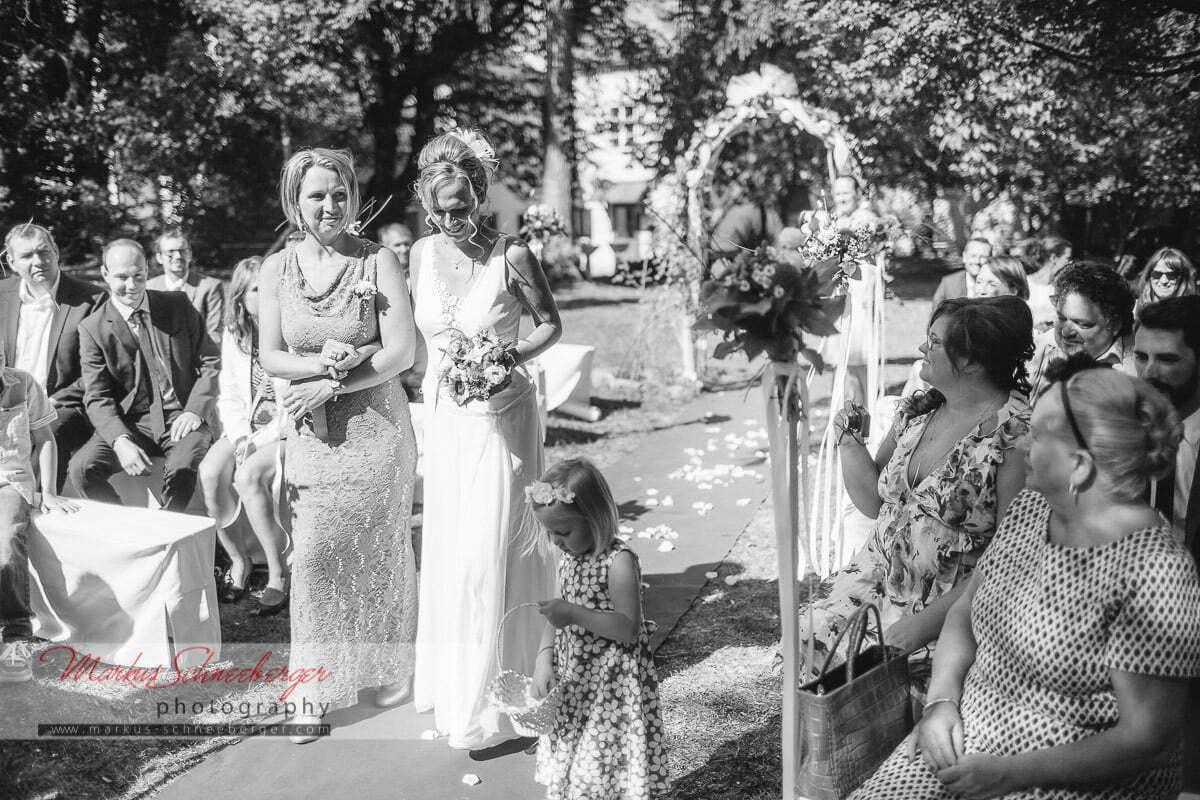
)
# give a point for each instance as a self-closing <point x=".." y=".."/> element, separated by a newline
<point x="1191" y="524"/>
<point x="206" y="294"/>
<point x="952" y="286"/>
<point x="76" y="300"/>
<point x="112" y="363"/>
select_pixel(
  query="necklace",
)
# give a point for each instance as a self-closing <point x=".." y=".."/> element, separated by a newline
<point x="452" y="303"/>
<point x="992" y="408"/>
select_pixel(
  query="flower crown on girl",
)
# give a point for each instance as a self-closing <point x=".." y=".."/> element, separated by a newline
<point x="544" y="493"/>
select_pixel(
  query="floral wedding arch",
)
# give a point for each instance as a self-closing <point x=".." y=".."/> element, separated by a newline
<point x="681" y="200"/>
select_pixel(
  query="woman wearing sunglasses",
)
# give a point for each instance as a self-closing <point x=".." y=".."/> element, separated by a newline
<point x="1168" y="273"/>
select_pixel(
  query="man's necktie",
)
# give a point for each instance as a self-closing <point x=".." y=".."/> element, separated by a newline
<point x="142" y="333"/>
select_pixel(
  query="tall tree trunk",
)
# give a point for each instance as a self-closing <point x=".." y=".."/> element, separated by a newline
<point x="558" y="113"/>
<point x="423" y="127"/>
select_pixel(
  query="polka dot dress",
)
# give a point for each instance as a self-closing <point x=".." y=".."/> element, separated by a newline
<point x="1050" y="623"/>
<point x="607" y="740"/>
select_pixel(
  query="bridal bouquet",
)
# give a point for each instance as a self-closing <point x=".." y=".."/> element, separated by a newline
<point x="763" y="301"/>
<point x="479" y="366"/>
<point x="540" y="223"/>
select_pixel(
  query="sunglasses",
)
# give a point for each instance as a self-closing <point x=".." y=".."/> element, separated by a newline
<point x="1066" y="401"/>
<point x="1156" y="275"/>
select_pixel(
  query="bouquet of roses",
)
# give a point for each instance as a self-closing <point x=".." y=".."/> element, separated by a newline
<point x="763" y="302"/>
<point x="479" y="366"/>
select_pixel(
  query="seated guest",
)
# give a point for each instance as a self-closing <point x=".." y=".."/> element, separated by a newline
<point x="1094" y="310"/>
<point x="149" y="381"/>
<point x="243" y="460"/>
<point x="174" y="255"/>
<point x="1002" y="275"/>
<point x="940" y="481"/>
<point x="961" y="283"/>
<point x="1168" y="273"/>
<point x="27" y="459"/>
<point x="1062" y="670"/>
<point x="41" y="308"/>
<point x="399" y="239"/>
<point x="1166" y="354"/>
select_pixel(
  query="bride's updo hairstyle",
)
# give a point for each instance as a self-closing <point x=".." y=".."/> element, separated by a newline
<point x="994" y="332"/>
<point x="1131" y="430"/>
<point x="296" y="167"/>
<point x="451" y="157"/>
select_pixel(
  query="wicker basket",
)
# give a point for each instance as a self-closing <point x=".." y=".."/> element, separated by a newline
<point x="511" y="693"/>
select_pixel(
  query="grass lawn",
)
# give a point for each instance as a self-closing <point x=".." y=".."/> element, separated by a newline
<point x="720" y="697"/>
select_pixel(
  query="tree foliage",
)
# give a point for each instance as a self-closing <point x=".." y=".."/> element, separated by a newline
<point x="1085" y="103"/>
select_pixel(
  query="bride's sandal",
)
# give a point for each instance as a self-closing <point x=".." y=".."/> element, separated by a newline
<point x="305" y="738"/>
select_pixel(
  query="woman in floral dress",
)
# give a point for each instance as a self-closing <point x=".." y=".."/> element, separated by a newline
<point x="939" y="482"/>
<point x="1062" y="672"/>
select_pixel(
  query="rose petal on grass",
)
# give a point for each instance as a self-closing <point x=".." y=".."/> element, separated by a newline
<point x="743" y="501"/>
<point x="471" y="779"/>
<point x="665" y="547"/>
<point x="652" y="492"/>
<point x="668" y="501"/>
<point x="731" y="580"/>
<point x="712" y="576"/>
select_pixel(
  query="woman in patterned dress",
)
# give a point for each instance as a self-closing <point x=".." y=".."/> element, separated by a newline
<point x="1062" y="671"/>
<point x="327" y="301"/>
<point x="939" y="482"/>
<point x="607" y="738"/>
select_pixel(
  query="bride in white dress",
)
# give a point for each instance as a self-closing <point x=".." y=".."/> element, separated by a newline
<point x="480" y="549"/>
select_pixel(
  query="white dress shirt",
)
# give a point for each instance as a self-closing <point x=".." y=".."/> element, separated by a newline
<point x="1185" y="470"/>
<point x="174" y="284"/>
<point x="33" y="332"/>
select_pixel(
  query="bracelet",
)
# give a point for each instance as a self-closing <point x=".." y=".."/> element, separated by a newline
<point x="336" y="384"/>
<point x="933" y="703"/>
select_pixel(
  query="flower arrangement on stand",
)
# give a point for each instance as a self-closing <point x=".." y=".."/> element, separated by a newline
<point x="479" y="367"/>
<point x="540" y="223"/>
<point x="764" y="301"/>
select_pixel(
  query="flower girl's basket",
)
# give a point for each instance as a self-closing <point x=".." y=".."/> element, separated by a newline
<point x="510" y="693"/>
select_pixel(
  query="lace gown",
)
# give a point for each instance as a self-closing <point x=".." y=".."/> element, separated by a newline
<point x="926" y="538"/>
<point x="478" y="553"/>
<point x="353" y="591"/>
<point x="1050" y="624"/>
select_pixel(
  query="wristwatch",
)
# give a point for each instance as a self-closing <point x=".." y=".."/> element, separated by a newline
<point x="336" y="384"/>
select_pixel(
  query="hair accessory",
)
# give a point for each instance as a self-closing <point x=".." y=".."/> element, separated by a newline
<point x="544" y="493"/>
<point x="480" y="147"/>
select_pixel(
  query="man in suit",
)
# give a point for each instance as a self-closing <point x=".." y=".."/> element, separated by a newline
<point x="150" y="380"/>
<point x="40" y="312"/>
<point x="206" y="294"/>
<point x="961" y="282"/>
<point x="1166" y="353"/>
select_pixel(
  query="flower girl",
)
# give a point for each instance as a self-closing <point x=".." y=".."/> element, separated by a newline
<point x="607" y="738"/>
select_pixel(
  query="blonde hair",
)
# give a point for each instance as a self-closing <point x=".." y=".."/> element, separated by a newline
<point x="1131" y="430"/>
<point x="593" y="501"/>
<point x="238" y="322"/>
<point x="451" y="157"/>
<point x="296" y="167"/>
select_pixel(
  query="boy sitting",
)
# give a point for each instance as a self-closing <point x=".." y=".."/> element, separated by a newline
<point x="25" y="417"/>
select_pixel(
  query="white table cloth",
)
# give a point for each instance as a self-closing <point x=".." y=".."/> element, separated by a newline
<point x="121" y="583"/>
<point x="564" y="377"/>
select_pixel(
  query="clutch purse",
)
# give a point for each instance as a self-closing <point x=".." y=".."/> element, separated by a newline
<point x="852" y="716"/>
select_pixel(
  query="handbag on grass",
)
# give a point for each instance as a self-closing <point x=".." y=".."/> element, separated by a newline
<point x="853" y="716"/>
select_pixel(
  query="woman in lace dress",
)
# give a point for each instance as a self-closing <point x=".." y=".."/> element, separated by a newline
<point x="479" y="550"/>
<point x="337" y="323"/>
<point x="940" y="481"/>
